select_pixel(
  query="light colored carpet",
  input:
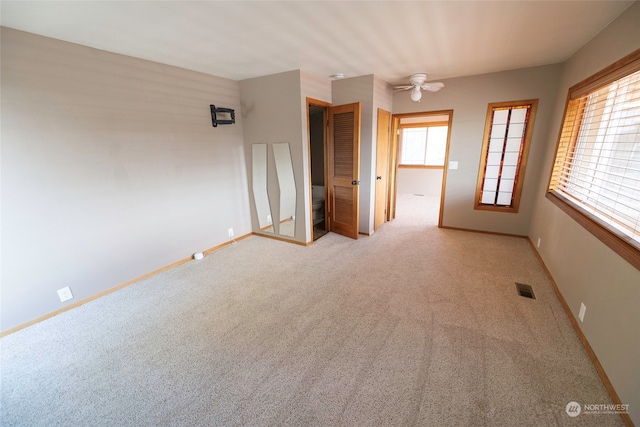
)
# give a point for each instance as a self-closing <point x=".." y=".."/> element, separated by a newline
<point x="412" y="326"/>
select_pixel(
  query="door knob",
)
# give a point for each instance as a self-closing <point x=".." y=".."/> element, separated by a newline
<point x="378" y="177"/>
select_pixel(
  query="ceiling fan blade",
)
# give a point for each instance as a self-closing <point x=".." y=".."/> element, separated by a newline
<point x="432" y="87"/>
<point x="401" y="88"/>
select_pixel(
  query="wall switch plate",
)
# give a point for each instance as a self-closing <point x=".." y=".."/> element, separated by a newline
<point x="269" y="221"/>
<point x="231" y="232"/>
<point x="583" y="308"/>
<point x="65" y="294"/>
<point x="538" y="244"/>
<point x="453" y="165"/>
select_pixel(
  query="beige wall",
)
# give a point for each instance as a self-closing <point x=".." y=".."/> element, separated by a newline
<point x="468" y="97"/>
<point x="372" y="93"/>
<point x="271" y="114"/>
<point x="275" y="110"/>
<point x="585" y="270"/>
<point x="111" y="169"/>
<point x="420" y="181"/>
<point x="360" y="89"/>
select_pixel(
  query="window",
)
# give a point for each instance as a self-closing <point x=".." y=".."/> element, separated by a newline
<point x="596" y="174"/>
<point x="423" y="145"/>
<point x="505" y="146"/>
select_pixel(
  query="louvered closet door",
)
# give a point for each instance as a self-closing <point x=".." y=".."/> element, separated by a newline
<point x="344" y="169"/>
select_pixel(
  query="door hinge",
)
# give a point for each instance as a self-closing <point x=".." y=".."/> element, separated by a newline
<point x="355" y="182"/>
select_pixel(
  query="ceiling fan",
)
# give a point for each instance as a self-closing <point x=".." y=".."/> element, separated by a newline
<point x="416" y="82"/>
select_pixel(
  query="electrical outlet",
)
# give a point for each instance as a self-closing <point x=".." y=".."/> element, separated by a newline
<point x="538" y="244"/>
<point x="65" y="294"/>
<point x="583" y="308"/>
<point x="231" y="232"/>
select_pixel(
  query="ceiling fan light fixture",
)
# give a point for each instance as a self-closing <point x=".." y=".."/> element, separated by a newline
<point x="417" y="83"/>
<point x="416" y="94"/>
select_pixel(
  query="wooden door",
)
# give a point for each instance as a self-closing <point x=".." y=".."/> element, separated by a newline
<point x="382" y="167"/>
<point x="343" y="152"/>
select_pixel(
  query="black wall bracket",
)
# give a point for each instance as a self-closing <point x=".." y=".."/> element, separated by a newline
<point x="227" y="116"/>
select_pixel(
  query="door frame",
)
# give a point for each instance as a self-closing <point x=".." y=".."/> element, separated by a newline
<point x="395" y="150"/>
<point x="386" y="174"/>
<point x="325" y="105"/>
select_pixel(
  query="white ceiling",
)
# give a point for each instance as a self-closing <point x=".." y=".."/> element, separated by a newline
<point x="392" y="39"/>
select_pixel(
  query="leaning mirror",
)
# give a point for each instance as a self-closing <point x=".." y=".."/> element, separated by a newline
<point x="286" y="181"/>
<point x="259" y="186"/>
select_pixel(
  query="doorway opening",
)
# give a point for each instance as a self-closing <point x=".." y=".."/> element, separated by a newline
<point x="317" y="119"/>
<point x="421" y="147"/>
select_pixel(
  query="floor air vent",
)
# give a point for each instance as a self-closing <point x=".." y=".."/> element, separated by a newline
<point x="525" y="290"/>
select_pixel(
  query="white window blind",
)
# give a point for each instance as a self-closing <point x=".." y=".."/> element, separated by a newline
<point x="597" y="164"/>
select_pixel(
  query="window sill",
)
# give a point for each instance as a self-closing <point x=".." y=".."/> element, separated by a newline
<point x="616" y="241"/>
<point x="492" y="208"/>
<point x="420" y="167"/>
